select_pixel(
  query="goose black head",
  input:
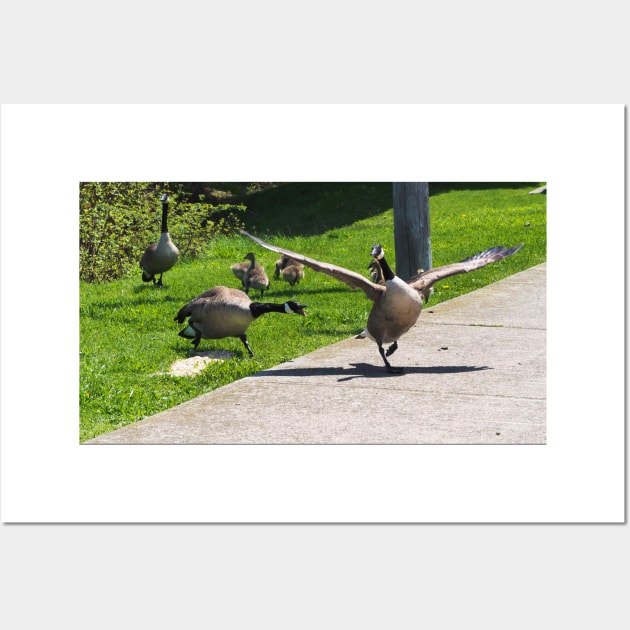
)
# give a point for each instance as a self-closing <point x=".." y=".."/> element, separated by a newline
<point x="377" y="251"/>
<point x="249" y="256"/>
<point x="294" y="307"/>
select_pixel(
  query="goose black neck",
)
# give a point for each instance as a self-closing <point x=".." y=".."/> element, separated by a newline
<point x="164" y="216"/>
<point x="388" y="274"/>
<point x="260" y="308"/>
<point x="252" y="263"/>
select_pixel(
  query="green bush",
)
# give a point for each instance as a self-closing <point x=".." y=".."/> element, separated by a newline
<point x="118" y="220"/>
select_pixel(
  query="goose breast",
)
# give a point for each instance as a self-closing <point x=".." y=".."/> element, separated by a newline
<point x="395" y="312"/>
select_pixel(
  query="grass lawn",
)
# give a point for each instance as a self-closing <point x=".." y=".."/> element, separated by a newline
<point x="129" y="339"/>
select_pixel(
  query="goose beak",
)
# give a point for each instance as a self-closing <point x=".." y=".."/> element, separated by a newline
<point x="301" y="308"/>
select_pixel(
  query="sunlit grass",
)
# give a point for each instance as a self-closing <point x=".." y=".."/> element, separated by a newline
<point x="129" y="338"/>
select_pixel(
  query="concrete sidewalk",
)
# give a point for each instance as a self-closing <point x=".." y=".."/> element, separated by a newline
<point x="475" y="373"/>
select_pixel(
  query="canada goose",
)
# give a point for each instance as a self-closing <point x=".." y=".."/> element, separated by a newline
<point x="223" y="312"/>
<point x="290" y="270"/>
<point x="240" y="270"/>
<point x="161" y="256"/>
<point x="281" y="263"/>
<point x="256" y="278"/>
<point x="293" y="273"/>
<point x="377" y="276"/>
<point x="397" y="304"/>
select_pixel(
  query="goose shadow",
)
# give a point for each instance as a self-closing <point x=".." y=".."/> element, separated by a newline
<point x="366" y="370"/>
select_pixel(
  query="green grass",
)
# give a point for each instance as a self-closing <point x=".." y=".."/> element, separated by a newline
<point x="129" y="338"/>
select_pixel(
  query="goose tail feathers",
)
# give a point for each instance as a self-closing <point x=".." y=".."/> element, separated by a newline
<point x="183" y="313"/>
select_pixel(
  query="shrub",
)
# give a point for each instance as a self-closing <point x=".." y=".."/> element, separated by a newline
<point x="118" y="220"/>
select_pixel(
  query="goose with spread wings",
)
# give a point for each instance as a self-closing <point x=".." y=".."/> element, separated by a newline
<point x="396" y="304"/>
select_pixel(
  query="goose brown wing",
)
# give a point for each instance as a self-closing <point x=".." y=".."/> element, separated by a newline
<point x="215" y="294"/>
<point x="351" y="278"/>
<point x="430" y="277"/>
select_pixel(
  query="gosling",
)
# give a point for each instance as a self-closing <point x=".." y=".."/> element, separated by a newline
<point x="256" y="278"/>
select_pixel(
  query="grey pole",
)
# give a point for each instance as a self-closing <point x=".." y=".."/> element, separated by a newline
<point x="412" y="233"/>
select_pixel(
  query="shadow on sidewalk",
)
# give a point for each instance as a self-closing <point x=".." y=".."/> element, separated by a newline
<point x="365" y="370"/>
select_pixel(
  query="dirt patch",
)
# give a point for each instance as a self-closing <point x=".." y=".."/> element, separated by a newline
<point x="193" y="365"/>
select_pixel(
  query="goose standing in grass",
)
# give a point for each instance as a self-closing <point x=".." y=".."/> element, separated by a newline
<point x="223" y="312"/>
<point x="240" y="270"/>
<point x="290" y="270"/>
<point x="293" y="273"/>
<point x="396" y="304"/>
<point x="256" y="278"/>
<point x="281" y="263"/>
<point x="376" y="273"/>
<point x="161" y="256"/>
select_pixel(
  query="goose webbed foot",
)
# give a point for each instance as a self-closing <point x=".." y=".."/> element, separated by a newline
<point x="392" y="349"/>
<point x="159" y="282"/>
<point x="388" y="366"/>
<point x="243" y="338"/>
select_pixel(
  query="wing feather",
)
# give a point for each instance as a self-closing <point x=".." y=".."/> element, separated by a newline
<point x="351" y="278"/>
<point x="430" y="277"/>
